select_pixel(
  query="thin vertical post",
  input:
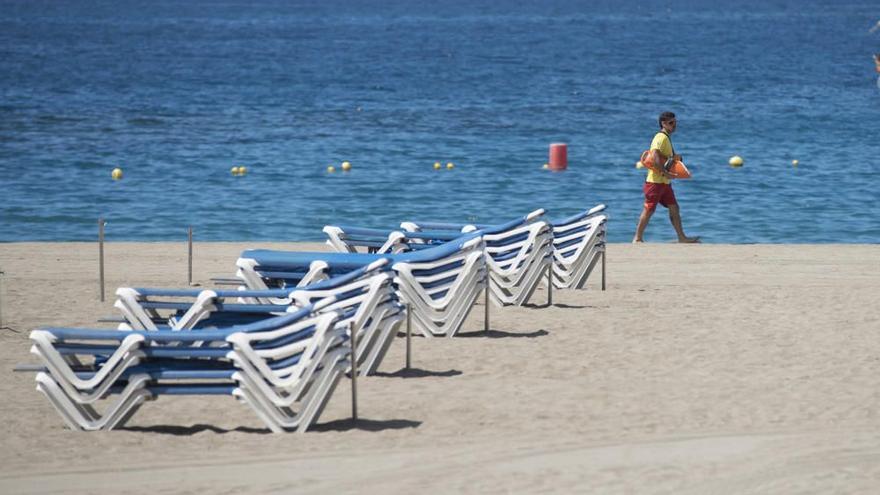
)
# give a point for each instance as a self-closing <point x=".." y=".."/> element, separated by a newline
<point x="190" y="257"/>
<point x="408" y="336"/>
<point x="486" y="303"/>
<point x="550" y="284"/>
<point x="101" y="255"/>
<point x="354" y="371"/>
<point x="1" y="299"/>
<point x="603" y="268"/>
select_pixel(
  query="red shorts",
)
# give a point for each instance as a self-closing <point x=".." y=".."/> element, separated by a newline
<point x="658" y="193"/>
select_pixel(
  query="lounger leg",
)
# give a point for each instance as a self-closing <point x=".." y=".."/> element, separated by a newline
<point x="380" y="349"/>
<point x="550" y="285"/>
<point x="123" y="419"/>
<point x="313" y="411"/>
<point x="246" y="397"/>
<point x="408" y="336"/>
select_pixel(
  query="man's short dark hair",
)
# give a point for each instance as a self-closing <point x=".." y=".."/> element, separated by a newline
<point x="665" y="117"/>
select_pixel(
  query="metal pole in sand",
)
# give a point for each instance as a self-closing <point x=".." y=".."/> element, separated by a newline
<point x="603" y="267"/>
<point x="1" y="299"/>
<point x="354" y="372"/>
<point x="101" y="255"/>
<point x="408" y="336"/>
<point x="486" y="302"/>
<point x="550" y="284"/>
<point x="189" y="237"/>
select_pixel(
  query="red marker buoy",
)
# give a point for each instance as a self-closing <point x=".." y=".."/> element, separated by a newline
<point x="558" y="156"/>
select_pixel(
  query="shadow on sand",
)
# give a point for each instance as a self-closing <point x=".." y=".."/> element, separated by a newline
<point x="557" y="305"/>
<point x="414" y="334"/>
<point x="366" y="425"/>
<point x="501" y="334"/>
<point x="193" y="430"/>
<point x="337" y="425"/>
<point x="417" y="373"/>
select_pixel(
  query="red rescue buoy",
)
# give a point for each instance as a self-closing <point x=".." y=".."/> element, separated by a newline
<point x="558" y="156"/>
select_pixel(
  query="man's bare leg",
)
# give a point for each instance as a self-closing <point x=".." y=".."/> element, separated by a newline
<point x="643" y="224"/>
<point x="675" y="218"/>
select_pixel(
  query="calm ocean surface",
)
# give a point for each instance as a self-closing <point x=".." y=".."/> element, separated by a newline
<point x="176" y="93"/>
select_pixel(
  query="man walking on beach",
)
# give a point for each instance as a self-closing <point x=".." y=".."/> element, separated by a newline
<point x="658" y="184"/>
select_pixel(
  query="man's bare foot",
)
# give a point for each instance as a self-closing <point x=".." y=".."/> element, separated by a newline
<point x="689" y="240"/>
<point x="637" y="241"/>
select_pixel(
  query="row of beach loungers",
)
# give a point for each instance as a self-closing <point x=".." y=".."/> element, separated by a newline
<point x="296" y="322"/>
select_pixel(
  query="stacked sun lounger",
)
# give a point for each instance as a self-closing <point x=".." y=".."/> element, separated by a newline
<point x="284" y="367"/>
<point x="366" y="301"/>
<point x="578" y="244"/>
<point x="439" y="284"/>
<point x="517" y="253"/>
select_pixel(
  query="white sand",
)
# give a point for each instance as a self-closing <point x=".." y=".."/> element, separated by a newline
<point x="702" y="369"/>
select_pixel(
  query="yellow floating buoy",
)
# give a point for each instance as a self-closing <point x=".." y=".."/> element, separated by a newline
<point x="639" y="164"/>
<point x="450" y="166"/>
<point x="736" y="161"/>
<point x="346" y="166"/>
<point x="545" y="166"/>
<point x="116" y="174"/>
<point x="331" y="169"/>
<point x="437" y="165"/>
<point x="794" y="163"/>
<point x="242" y="170"/>
<point x="234" y="170"/>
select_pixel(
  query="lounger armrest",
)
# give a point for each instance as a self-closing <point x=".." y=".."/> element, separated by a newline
<point x="439" y="251"/>
<point x="580" y="216"/>
<point x="348" y="277"/>
<point x="179" y="336"/>
<point x="302" y="259"/>
<point x="364" y="231"/>
<point x="596" y="209"/>
<point x="194" y="293"/>
<point x="495" y="229"/>
<point x="439" y="226"/>
<point x="251" y="308"/>
<point x="434" y="235"/>
<point x="119" y="335"/>
<point x="152" y="291"/>
<point x="535" y="214"/>
<point x="323" y="303"/>
<point x="275" y="293"/>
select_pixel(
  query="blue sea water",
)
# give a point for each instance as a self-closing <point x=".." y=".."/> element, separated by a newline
<point x="176" y="93"/>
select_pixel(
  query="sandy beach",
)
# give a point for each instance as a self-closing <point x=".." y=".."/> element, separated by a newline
<point x="701" y="369"/>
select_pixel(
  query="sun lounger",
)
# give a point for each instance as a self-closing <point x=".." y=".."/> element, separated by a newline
<point x="517" y="253"/>
<point x="285" y="368"/>
<point x="439" y="284"/>
<point x="365" y="299"/>
<point x="578" y="244"/>
<point x="152" y="309"/>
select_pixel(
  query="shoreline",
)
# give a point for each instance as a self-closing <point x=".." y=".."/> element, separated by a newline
<point x="703" y="368"/>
